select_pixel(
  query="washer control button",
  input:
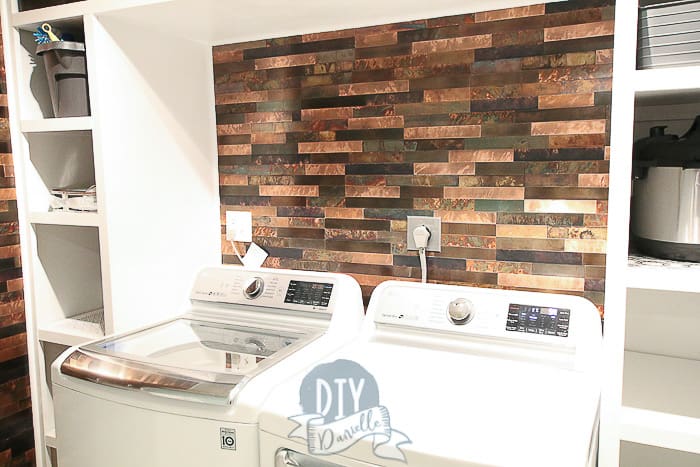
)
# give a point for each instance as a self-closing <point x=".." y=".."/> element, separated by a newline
<point x="460" y="311"/>
<point x="253" y="287"/>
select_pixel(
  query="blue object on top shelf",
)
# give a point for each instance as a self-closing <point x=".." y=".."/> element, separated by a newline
<point x="40" y="37"/>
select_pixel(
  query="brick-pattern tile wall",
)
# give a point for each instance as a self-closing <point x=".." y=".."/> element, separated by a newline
<point x="16" y="435"/>
<point x="497" y="122"/>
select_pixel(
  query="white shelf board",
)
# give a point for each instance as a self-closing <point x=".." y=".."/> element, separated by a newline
<point x="660" y="429"/>
<point x="666" y="81"/>
<point x="661" y="404"/>
<point x="644" y="272"/>
<point x="50" y="438"/>
<point x="56" y="124"/>
<point x="83" y="219"/>
<point x="31" y="18"/>
<point x="73" y="331"/>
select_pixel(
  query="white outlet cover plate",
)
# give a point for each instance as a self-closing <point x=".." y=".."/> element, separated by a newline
<point x="239" y="226"/>
<point x="432" y="223"/>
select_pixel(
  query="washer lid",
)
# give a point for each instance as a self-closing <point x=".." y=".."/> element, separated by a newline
<point x="184" y="355"/>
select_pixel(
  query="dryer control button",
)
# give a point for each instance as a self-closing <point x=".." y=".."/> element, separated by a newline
<point x="253" y="287"/>
<point x="460" y="311"/>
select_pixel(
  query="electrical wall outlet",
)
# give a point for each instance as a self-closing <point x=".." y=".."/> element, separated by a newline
<point x="434" y="226"/>
<point x="239" y="226"/>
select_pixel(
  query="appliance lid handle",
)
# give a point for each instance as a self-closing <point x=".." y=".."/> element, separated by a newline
<point x="112" y="371"/>
<point x="288" y="458"/>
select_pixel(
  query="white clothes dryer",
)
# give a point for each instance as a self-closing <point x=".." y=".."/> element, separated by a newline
<point x="187" y="391"/>
<point x="447" y="376"/>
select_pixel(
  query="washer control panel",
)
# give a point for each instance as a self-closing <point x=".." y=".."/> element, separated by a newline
<point x="538" y="320"/>
<point x="267" y="288"/>
<point x="308" y="293"/>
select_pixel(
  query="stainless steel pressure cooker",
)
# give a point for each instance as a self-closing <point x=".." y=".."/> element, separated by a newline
<point x="665" y="214"/>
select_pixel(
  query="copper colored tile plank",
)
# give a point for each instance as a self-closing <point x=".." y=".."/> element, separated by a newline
<point x="332" y="113"/>
<point x="325" y="36"/>
<point x="604" y="56"/>
<point x="285" y="61"/>
<point x="232" y="179"/>
<point x="344" y="213"/>
<point x="376" y="87"/>
<point x="577" y="141"/>
<point x="324" y="169"/>
<point x="485" y="193"/>
<point x="509" y="13"/>
<point x="288" y="190"/>
<point x="347" y="257"/>
<point x="586" y="245"/>
<point x="330" y="146"/>
<point x="242" y="97"/>
<point x="526" y="231"/>
<point x="265" y="117"/>
<point x="593" y="180"/>
<point x="452" y="44"/>
<point x="15" y="285"/>
<point x="443" y="132"/>
<point x="356" y="191"/>
<point x="579" y="31"/>
<point x="468" y="217"/>
<point x="446" y="95"/>
<point x="233" y="129"/>
<point x="227" y="56"/>
<point x="444" y="168"/>
<point x="374" y="40"/>
<point x="9" y="251"/>
<point x="541" y="282"/>
<point x="538" y="244"/>
<point x="268" y="138"/>
<point x="482" y="155"/>
<point x="392" y="121"/>
<point x="561" y="206"/>
<point x="235" y="149"/>
<point x="574" y="127"/>
<point x="561" y="101"/>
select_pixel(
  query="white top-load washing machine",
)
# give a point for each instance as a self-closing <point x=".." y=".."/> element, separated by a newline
<point x="446" y="376"/>
<point x="187" y="392"/>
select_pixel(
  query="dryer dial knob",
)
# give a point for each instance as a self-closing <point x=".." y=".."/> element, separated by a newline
<point x="253" y="287"/>
<point x="460" y="311"/>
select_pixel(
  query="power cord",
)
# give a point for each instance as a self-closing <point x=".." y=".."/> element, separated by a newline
<point x="235" y="250"/>
<point x="421" y="235"/>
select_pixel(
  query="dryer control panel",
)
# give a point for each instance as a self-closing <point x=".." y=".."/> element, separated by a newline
<point x="513" y="316"/>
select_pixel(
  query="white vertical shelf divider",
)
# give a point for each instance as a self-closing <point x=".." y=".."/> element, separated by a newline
<point x="622" y="117"/>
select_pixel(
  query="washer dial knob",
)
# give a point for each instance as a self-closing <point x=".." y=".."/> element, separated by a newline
<point x="460" y="311"/>
<point x="253" y="287"/>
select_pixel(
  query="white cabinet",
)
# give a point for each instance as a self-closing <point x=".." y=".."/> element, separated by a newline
<point x="650" y="406"/>
<point x="149" y="147"/>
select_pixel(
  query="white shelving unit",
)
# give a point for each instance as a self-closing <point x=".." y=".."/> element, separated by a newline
<point x="149" y="147"/>
<point x="650" y="411"/>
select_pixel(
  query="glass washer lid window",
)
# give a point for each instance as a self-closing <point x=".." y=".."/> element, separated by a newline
<point x="202" y="347"/>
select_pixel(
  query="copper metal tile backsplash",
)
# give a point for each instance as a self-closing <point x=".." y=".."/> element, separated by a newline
<point x="497" y="122"/>
<point x="16" y="434"/>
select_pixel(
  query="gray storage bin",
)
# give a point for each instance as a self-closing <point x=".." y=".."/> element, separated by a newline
<point x="669" y="34"/>
<point x="66" y="73"/>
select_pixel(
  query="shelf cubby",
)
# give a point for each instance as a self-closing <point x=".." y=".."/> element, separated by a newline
<point x="35" y="100"/>
<point x="643" y="455"/>
<point x="68" y="283"/>
<point x="58" y="160"/>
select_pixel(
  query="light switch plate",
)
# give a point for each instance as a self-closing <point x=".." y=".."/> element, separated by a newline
<point x="239" y="226"/>
<point x="434" y="226"/>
